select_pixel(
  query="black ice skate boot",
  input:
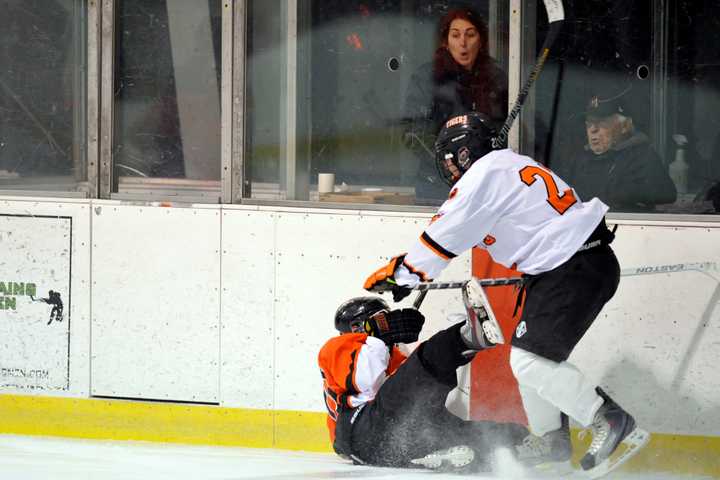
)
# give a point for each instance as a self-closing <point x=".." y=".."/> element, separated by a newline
<point x="549" y="453"/>
<point x="615" y="438"/>
<point x="481" y="329"/>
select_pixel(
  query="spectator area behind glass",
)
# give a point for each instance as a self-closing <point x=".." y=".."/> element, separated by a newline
<point x="350" y="111"/>
<point x="671" y="71"/>
<point x="167" y="100"/>
<point x="42" y="97"/>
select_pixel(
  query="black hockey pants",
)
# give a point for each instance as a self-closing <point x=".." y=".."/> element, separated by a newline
<point x="408" y="418"/>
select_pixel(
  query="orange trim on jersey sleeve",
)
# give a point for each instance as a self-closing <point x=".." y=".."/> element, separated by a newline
<point x="435" y="218"/>
<point x="436" y="252"/>
<point x="434" y="247"/>
<point x="420" y="274"/>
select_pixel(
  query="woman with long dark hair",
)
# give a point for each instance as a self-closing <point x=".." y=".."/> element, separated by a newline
<point x="461" y="77"/>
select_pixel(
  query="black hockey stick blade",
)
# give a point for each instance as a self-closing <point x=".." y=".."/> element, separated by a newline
<point x="419" y="299"/>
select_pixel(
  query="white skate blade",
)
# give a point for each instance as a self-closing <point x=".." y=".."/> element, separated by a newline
<point x="478" y="299"/>
<point x="630" y="446"/>
<point x="453" y="457"/>
<point x="492" y="331"/>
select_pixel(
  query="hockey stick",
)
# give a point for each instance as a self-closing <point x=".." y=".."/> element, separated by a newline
<point x="556" y="17"/>
<point x="703" y="267"/>
<point x="424" y="288"/>
<point x="484" y="282"/>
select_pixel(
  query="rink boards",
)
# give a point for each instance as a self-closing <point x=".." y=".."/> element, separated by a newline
<point x="209" y="319"/>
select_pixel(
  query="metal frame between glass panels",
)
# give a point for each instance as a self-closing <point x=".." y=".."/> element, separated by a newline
<point x="226" y="102"/>
<point x="237" y="188"/>
<point x="93" y="96"/>
<point x="107" y="56"/>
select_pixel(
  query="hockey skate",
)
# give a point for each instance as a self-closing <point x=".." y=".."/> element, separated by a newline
<point x="548" y="454"/>
<point x="482" y="329"/>
<point x="615" y="439"/>
<point x="453" y="458"/>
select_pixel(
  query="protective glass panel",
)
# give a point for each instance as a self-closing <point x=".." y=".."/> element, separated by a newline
<point x="625" y="107"/>
<point x="167" y="98"/>
<point x="42" y="95"/>
<point x="364" y="87"/>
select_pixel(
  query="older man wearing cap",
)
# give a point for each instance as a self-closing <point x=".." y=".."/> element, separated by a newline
<point x="618" y="164"/>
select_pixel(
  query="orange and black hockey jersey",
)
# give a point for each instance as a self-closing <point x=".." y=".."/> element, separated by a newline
<point x="353" y="367"/>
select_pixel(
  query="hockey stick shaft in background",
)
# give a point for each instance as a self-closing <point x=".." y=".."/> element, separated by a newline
<point x="556" y="16"/>
<point x="703" y="267"/>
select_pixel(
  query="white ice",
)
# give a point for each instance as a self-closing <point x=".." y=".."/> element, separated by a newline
<point x="43" y="458"/>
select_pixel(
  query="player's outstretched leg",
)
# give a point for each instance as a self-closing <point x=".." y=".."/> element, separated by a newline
<point x="615" y="438"/>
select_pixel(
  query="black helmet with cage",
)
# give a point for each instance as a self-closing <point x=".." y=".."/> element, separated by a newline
<point x="351" y="315"/>
<point x="462" y="140"/>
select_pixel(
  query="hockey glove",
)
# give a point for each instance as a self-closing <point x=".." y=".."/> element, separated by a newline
<point x="383" y="280"/>
<point x="396" y="326"/>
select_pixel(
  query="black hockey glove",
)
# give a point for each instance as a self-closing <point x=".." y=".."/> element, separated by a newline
<point x="383" y="280"/>
<point x="396" y="326"/>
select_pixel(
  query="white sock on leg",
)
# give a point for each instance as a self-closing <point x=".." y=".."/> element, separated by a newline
<point x="561" y="385"/>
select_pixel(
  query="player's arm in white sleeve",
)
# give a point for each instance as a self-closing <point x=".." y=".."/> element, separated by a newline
<point x="370" y="370"/>
<point x="462" y="222"/>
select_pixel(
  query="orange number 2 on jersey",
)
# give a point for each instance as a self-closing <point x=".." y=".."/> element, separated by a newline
<point x="559" y="202"/>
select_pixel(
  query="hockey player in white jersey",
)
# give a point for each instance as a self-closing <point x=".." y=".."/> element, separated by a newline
<point x="527" y="217"/>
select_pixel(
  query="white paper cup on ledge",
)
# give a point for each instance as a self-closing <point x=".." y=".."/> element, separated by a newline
<point x="326" y="182"/>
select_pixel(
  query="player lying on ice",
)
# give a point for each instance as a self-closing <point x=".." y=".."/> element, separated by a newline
<point x="388" y="410"/>
<point x="526" y="216"/>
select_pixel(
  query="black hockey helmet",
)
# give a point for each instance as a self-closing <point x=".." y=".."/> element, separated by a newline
<point x="351" y="315"/>
<point x="461" y="141"/>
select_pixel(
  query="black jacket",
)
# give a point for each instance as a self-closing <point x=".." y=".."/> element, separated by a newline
<point x="630" y="177"/>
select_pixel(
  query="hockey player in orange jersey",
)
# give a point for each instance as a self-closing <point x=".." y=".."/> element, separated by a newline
<point x="388" y="410"/>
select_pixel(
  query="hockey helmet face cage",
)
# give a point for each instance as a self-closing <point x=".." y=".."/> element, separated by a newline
<point x="461" y="141"/>
<point x="351" y="315"/>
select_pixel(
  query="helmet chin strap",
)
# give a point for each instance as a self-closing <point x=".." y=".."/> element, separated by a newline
<point x="451" y="167"/>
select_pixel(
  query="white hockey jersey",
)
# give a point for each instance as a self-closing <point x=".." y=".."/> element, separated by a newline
<point x="521" y="212"/>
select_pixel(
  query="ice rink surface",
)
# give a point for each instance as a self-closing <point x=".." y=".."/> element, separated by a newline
<point x="42" y="458"/>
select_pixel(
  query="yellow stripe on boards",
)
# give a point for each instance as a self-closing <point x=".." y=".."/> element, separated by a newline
<point x="301" y="431"/>
<point x="162" y="422"/>
<point x="289" y="430"/>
